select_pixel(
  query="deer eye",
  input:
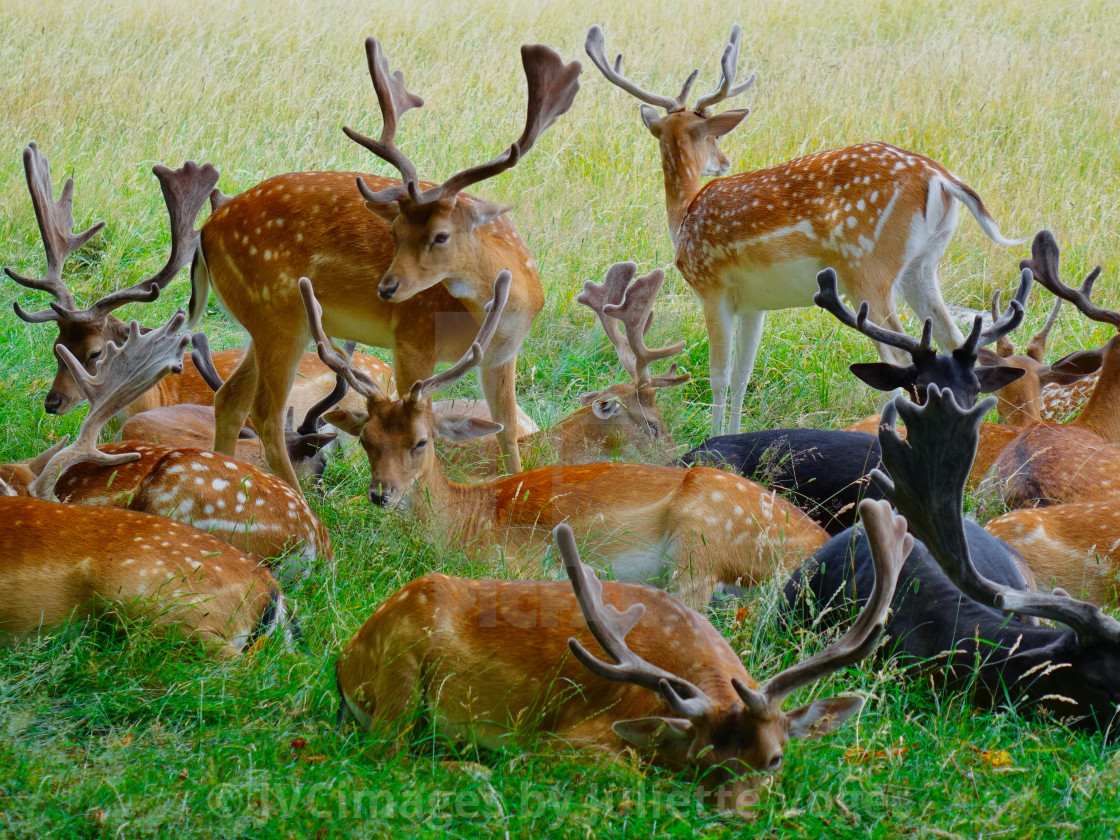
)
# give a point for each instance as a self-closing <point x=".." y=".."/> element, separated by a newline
<point x="94" y="356"/>
<point x="440" y="238"/>
<point x="419" y="447"/>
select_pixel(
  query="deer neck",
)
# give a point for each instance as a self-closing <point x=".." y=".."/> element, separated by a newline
<point x="455" y="511"/>
<point x="681" y="172"/>
<point x="1101" y="414"/>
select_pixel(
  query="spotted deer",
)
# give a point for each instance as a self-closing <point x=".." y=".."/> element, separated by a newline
<point x="248" y="508"/>
<point x="688" y="529"/>
<point x="1078" y="461"/>
<point x="431" y="250"/>
<point x="750" y="243"/>
<point x="86" y="332"/>
<point x="607" y="667"/>
<point x="621" y="421"/>
<point x="59" y="561"/>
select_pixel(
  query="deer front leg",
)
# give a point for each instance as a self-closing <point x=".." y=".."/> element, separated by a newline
<point x="275" y="372"/>
<point x="720" y="321"/>
<point x="498" y="385"/>
<point x="747" y="337"/>
<point x="232" y="402"/>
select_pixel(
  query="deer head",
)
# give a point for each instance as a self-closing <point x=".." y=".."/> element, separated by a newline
<point x="85" y="333"/>
<point x="434" y="228"/>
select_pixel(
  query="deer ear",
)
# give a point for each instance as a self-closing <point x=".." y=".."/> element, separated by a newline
<point x="651" y="119"/>
<point x="1075" y="366"/>
<point x="387" y="210"/>
<point x="984" y="356"/>
<point x="654" y="732"/>
<point x="459" y="427"/>
<point x="997" y="376"/>
<point x="822" y="716"/>
<point x="606" y="408"/>
<point x="482" y="212"/>
<point x="351" y="422"/>
<point x="718" y="125"/>
<point x="881" y="375"/>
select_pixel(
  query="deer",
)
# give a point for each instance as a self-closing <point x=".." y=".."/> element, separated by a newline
<point x="686" y="529"/>
<point x="246" y="507"/>
<point x="1077" y="461"/>
<point x="86" y="332"/>
<point x="826" y="472"/>
<point x="622" y="420"/>
<point x="606" y="667"/>
<point x="432" y="250"/>
<point x="750" y="243"/>
<point x="59" y="561"/>
<point x="1069" y="672"/>
<point x="1045" y="392"/>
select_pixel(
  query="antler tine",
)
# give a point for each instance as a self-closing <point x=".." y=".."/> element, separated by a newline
<point x="204" y="361"/>
<point x="123" y="374"/>
<point x="610" y="626"/>
<point x="424" y="388"/>
<point x="314" y="417"/>
<point x="56" y="227"/>
<point x="358" y="380"/>
<point x="394" y="100"/>
<point x="596" y="296"/>
<point x="729" y="68"/>
<point x="1036" y="347"/>
<point x="635" y="310"/>
<point x="828" y="298"/>
<point x="596" y="48"/>
<point x="890" y="546"/>
<point x="928" y="472"/>
<point x="1045" y="262"/>
<point x="552" y="90"/>
<point x="1006" y="323"/>
<point x="1004" y="347"/>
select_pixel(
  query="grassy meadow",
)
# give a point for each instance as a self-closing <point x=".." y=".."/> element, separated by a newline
<point x="109" y="731"/>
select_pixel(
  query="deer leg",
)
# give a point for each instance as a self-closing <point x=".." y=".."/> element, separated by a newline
<point x="920" y="286"/>
<point x="720" y="322"/>
<point x="747" y="337"/>
<point x="232" y="402"/>
<point x="498" y="386"/>
<point x="274" y="380"/>
<point x="411" y="364"/>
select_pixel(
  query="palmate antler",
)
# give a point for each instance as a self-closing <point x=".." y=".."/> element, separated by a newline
<point x="596" y="47"/>
<point x="552" y="89"/>
<point x="185" y="190"/>
<point x="1045" y="263"/>
<point x="123" y="374"/>
<point x="927" y="474"/>
<point x="621" y="298"/>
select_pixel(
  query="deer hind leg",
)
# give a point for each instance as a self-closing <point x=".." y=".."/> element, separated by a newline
<point x="275" y="373"/>
<point x="232" y="402"/>
<point x="720" y="321"/>
<point x="498" y="385"/>
<point x="747" y="338"/>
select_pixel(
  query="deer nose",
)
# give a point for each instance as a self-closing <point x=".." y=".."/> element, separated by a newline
<point x="378" y="498"/>
<point x="53" y="402"/>
<point x="388" y="286"/>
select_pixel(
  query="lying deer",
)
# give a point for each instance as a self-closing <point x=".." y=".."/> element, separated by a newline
<point x="431" y="250"/>
<point x="506" y="661"/>
<point x="86" y="332"/>
<point x="747" y="244"/>
<point x="621" y="421"/>
<point x="827" y="472"/>
<point x="690" y="529"/>
<point x="59" y="561"/>
<point x="248" y="508"/>
<point x="1078" y="461"/>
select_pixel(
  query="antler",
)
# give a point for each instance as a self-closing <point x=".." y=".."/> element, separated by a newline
<point x="729" y="68"/>
<point x="422" y="389"/>
<point x="56" y="227"/>
<point x="123" y="374"/>
<point x="1036" y="347"/>
<point x="314" y="417"/>
<point x="1044" y="261"/>
<point x="356" y="378"/>
<point x="395" y="100"/>
<point x="890" y="546"/>
<point x="619" y="299"/>
<point x="596" y="48"/>
<point x="1006" y="323"/>
<point x="926" y="483"/>
<point x="828" y="298"/>
<point x="609" y="626"/>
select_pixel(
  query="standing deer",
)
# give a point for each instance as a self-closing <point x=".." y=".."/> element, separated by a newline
<point x="750" y="243"/>
<point x="433" y="251"/>
<point x="604" y="667"/>
<point x="61" y="560"/>
<point x="86" y="332"/>
<point x="689" y="529"/>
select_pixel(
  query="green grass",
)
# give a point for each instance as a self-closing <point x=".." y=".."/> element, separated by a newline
<point x="109" y="731"/>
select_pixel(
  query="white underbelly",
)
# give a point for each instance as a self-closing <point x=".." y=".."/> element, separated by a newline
<point x="783" y="285"/>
